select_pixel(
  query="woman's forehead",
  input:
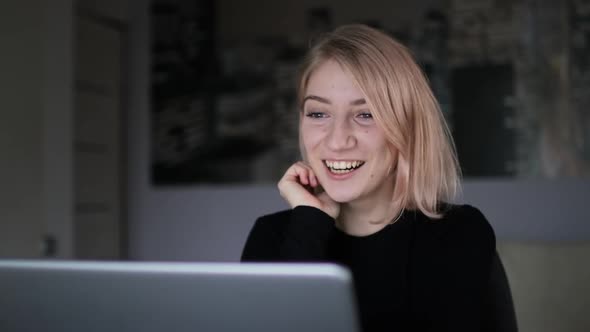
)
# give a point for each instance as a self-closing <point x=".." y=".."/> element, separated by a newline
<point x="329" y="81"/>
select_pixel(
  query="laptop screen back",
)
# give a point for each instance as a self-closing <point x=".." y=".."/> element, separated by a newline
<point x="126" y="296"/>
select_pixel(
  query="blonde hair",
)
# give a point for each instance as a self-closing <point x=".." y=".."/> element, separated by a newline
<point x="403" y="105"/>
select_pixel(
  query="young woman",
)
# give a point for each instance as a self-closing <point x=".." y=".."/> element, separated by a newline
<point x="372" y="191"/>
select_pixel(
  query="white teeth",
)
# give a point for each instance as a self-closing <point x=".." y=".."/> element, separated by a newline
<point x="343" y="166"/>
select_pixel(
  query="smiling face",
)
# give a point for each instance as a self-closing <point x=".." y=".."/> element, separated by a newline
<point x="342" y="142"/>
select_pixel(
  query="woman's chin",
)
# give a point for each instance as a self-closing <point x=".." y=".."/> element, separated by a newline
<point x="340" y="196"/>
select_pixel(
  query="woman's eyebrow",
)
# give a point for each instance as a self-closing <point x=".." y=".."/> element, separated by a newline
<point x="317" y="98"/>
<point x="323" y="100"/>
<point x="358" y="102"/>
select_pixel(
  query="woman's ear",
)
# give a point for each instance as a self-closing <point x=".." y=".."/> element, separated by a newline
<point x="392" y="160"/>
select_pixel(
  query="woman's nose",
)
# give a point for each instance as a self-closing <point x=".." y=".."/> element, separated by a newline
<point x="340" y="136"/>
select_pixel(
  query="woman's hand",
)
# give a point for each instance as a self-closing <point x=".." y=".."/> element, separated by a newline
<point x="297" y="188"/>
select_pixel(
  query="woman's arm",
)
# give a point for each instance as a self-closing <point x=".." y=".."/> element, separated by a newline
<point x="301" y="234"/>
<point x="307" y="235"/>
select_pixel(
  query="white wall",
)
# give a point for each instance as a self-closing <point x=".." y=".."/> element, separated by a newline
<point x="21" y="121"/>
<point x="34" y="108"/>
<point x="211" y="223"/>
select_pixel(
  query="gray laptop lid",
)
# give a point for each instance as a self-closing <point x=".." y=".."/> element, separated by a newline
<point x="124" y="296"/>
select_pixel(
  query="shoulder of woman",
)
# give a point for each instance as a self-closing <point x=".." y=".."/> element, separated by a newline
<point x="275" y="216"/>
<point x="296" y="234"/>
<point x="265" y="237"/>
<point x="460" y="224"/>
<point x="469" y="220"/>
<point x="274" y="220"/>
<point x="464" y="214"/>
<point x="305" y="215"/>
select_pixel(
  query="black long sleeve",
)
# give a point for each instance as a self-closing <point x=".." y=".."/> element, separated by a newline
<point x="415" y="275"/>
<point x="304" y="236"/>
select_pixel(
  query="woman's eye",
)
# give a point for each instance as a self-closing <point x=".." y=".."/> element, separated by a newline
<point x="315" y="115"/>
<point x="365" y="115"/>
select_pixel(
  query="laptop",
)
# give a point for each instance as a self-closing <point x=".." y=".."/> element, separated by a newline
<point x="139" y="296"/>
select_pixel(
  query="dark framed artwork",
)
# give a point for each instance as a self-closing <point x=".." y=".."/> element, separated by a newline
<point x="515" y="102"/>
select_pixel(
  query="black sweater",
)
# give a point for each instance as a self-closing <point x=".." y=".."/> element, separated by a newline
<point x="417" y="274"/>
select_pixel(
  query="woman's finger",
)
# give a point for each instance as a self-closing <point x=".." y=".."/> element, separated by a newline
<point x="302" y="174"/>
<point x="311" y="178"/>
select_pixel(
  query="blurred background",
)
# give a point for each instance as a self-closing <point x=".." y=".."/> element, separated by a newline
<point x="223" y="103"/>
<point x="156" y="130"/>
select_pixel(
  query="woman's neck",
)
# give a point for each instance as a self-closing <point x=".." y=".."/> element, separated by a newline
<point x="362" y="218"/>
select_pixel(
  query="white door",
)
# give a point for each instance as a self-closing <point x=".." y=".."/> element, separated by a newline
<point x="98" y="161"/>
